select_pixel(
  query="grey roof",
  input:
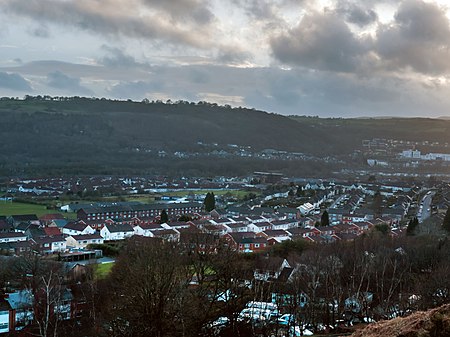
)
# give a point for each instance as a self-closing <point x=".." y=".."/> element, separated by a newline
<point x="116" y="228"/>
<point x="81" y="237"/>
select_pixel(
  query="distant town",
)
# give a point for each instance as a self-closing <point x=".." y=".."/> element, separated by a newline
<point x="84" y="223"/>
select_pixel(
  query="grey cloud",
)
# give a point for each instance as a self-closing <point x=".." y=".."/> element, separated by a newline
<point x="419" y="39"/>
<point x="320" y="41"/>
<point x="117" y="58"/>
<point x="135" y="89"/>
<point x="195" y="10"/>
<point x="112" y="17"/>
<point x="356" y="13"/>
<point x="14" y="82"/>
<point x="40" y="31"/>
<point x="229" y="55"/>
<point x="61" y="81"/>
<point x="259" y="9"/>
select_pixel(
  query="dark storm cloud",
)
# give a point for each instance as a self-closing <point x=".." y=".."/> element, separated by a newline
<point x="320" y="41"/>
<point x="120" y="17"/>
<point x="61" y="81"/>
<point x="418" y="39"/>
<point x="14" y="82"/>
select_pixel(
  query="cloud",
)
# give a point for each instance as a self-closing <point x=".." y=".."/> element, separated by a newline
<point x="135" y="89"/>
<point x="356" y="13"/>
<point x="123" y="18"/>
<point x="14" y="82"/>
<point x="117" y="58"/>
<point x="61" y="81"/>
<point x="258" y="9"/>
<point x="320" y="41"/>
<point x="194" y="10"/>
<point x="418" y="39"/>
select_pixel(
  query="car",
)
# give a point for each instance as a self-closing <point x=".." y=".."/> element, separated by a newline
<point x="286" y="320"/>
<point x="297" y="331"/>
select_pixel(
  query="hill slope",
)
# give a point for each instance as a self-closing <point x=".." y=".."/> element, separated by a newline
<point x="98" y="136"/>
<point x="432" y="323"/>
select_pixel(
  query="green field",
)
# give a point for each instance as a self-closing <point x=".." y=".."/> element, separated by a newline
<point x="102" y="270"/>
<point x="16" y="208"/>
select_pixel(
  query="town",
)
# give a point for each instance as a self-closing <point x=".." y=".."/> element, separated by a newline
<point x="265" y="226"/>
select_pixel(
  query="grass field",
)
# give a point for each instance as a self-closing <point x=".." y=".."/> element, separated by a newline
<point x="102" y="270"/>
<point x="16" y="208"/>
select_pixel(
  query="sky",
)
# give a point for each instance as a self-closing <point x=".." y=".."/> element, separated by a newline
<point x="331" y="58"/>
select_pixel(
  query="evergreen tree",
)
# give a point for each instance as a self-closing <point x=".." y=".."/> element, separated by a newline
<point x="210" y="202"/>
<point x="164" y="218"/>
<point x="325" y="219"/>
<point x="412" y="225"/>
<point x="446" y="223"/>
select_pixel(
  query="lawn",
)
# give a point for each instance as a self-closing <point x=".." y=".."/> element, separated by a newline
<point x="102" y="270"/>
<point x="16" y="208"/>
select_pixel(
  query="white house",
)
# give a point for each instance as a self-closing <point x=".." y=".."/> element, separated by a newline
<point x="117" y="231"/>
<point x="258" y="227"/>
<point x="147" y="229"/>
<point x="12" y="237"/>
<point x="77" y="228"/>
<point x="284" y="224"/>
<point x="306" y="208"/>
<point x="51" y="244"/>
<point x="82" y="241"/>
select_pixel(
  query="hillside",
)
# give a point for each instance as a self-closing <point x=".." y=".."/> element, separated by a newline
<point x="98" y="136"/>
<point x="431" y="323"/>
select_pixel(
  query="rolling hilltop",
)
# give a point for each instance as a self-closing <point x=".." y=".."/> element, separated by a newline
<point x="98" y="136"/>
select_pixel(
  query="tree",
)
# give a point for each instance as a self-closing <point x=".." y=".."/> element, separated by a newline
<point x="325" y="219"/>
<point x="377" y="204"/>
<point x="210" y="202"/>
<point x="164" y="218"/>
<point x="412" y="225"/>
<point x="446" y="223"/>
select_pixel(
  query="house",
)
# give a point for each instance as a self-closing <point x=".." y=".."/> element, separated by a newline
<point x="77" y="228"/>
<point x="275" y="235"/>
<point x="128" y="211"/>
<point x="82" y="241"/>
<point x="259" y="226"/>
<point x="16" y="311"/>
<point x="269" y="268"/>
<point x="60" y="223"/>
<point x="117" y="231"/>
<point x="12" y="237"/>
<point x="50" y="244"/>
<point x="16" y="247"/>
<point x="52" y="231"/>
<point x="167" y="234"/>
<point x="236" y="227"/>
<point x="4" y="226"/>
<point x="303" y="232"/>
<point x="284" y="224"/>
<point x="176" y="225"/>
<point x="147" y="229"/>
<point x="27" y="218"/>
<point x="46" y="219"/>
<point x="246" y="242"/>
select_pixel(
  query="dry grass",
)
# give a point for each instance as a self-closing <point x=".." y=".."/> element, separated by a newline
<point x="432" y="323"/>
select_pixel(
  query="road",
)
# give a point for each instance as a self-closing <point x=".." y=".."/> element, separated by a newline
<point x="425" y="207"/>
